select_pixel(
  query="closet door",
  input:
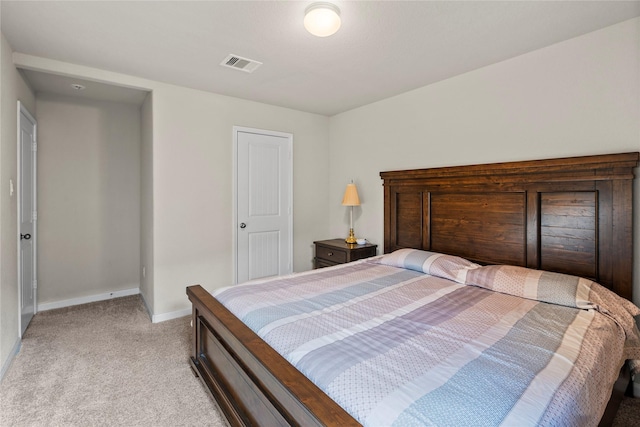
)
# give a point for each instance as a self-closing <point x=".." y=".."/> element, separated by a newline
<point x="264" y="219"/>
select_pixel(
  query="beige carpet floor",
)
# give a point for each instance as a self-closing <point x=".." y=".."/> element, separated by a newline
<point x="106" y="364"/>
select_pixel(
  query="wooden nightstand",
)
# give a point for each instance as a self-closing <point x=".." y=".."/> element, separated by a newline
<point x="336" y="251"/>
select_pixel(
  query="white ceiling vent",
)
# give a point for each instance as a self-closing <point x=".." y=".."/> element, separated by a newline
<point x="239" y="63"/>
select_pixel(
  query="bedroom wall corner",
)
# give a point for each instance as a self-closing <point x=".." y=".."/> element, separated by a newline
<point x="578" y="97"/>
<point x="89" y="196"/>
<point x="192" y="187"/>
<point x="12" y="88"/>
<point x="191" y="179"/>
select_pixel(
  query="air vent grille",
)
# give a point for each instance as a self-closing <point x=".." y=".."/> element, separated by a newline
<point x="239" y="63"/>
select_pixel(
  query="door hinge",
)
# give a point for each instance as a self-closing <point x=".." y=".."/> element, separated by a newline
<point x="34" y="215"/>
<point x="35" y="284"/>
<point x="34" y="146"/>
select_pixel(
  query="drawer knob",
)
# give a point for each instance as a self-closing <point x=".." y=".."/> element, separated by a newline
<point x="330" y="254"/>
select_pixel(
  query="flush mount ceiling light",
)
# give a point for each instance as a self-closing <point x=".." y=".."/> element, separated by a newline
<point x="322" y="19"/>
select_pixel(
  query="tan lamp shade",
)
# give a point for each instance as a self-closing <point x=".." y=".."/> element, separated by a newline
<point x="350" y="197"/>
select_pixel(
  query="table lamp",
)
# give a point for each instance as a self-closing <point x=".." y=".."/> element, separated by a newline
<point x="351" y="199"/>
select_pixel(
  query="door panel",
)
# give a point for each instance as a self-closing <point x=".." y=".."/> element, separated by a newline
<point x="264" y="253"/>
<point x="27" y="217"/>
<point x="263" y="194"/>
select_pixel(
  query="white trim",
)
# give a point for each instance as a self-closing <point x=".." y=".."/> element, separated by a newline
<point x="12" y="354"/>
<point x="18" y="214"/>
<point x="234" y="206"/>
<point x="88" y="299"/>
<point x="157" y="318"/>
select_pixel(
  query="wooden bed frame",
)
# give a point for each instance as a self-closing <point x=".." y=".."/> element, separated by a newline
<point x="571" y="215"/>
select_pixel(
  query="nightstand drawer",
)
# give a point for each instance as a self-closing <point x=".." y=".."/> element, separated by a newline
<point x="330" y="254"/>
<point x="337" y="251"/>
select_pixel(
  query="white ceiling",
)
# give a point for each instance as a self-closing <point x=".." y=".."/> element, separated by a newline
<point x="62" y="85"/>
<point x="383" y="48"/>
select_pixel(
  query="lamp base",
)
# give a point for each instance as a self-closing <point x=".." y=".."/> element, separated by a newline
<point x="352" y="238"/>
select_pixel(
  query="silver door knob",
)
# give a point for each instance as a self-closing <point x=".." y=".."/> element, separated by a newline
<point x="243" y="225"/>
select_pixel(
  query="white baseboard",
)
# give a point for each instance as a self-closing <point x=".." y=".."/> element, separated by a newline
<point x="156" y="318"/>
<point x="7" y="364"/>
<point x="87" y="299"/>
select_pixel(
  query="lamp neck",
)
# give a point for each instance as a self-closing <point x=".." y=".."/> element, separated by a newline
<point x="351" y="217"/>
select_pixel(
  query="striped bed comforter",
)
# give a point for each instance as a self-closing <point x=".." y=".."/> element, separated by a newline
<point x="416" y="338"/>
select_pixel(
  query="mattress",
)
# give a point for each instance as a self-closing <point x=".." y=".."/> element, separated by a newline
<point x="417" y="338"/>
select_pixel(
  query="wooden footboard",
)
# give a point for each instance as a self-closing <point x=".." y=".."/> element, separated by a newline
<point x="251" y="382"/>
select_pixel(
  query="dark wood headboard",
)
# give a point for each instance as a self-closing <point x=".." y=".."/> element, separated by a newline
<point x="570" y="215"/>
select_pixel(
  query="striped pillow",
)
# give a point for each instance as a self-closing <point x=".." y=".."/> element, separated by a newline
<point x="433" y="263"/>
<point x="566" y="290"/>
<point x="554" y="288"/>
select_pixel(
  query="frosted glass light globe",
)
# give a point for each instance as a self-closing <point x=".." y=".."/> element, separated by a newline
<point x="322" y="19"/>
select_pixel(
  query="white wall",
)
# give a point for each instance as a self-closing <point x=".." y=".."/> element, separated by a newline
<point x="578" y="97"/>
<point x="146" y="203"/>
<point x="192" y="186"/>
<point x="88" y="197"/>
<point x="12" y="88"/>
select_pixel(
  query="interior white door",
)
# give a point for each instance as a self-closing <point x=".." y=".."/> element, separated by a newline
<point x="264" y="219"/>
<point x="27" y="215"/>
